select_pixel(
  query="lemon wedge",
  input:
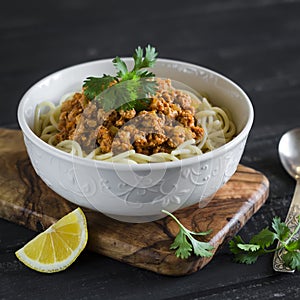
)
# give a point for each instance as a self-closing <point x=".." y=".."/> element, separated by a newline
<point x="58" y="246"/>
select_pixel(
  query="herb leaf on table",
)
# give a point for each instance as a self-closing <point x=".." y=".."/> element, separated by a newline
<point x="185" y="243"/>
<point x="260" y="244"/>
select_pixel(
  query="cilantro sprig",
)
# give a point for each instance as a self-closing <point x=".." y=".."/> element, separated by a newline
<point x="128" y="89"/>
<point x="140" y="63"/>
<point x="185" y="242"/>
<point x="261" y="243"/>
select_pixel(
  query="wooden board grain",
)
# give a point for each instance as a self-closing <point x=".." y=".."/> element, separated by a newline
<point x="26" y="200"/>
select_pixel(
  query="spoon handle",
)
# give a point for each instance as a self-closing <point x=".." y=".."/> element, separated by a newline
<point x="291" y="221"/>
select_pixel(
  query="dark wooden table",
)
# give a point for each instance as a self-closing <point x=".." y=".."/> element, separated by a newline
<point x="255" y="43"/>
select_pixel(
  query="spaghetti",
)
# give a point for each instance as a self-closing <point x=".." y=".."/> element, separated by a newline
<point x="215" y="121"/>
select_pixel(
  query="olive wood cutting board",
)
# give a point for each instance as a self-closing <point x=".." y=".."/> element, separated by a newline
<point x="27" y="201"/>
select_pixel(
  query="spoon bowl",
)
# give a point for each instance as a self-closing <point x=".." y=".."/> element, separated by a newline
<point x="289" y="152"/>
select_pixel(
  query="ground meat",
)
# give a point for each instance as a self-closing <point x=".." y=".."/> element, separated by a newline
<point x="71" y="111"/>
<point x="104" y="139"/>
<point x="149" y="121"/>
<point x="177" y="135"/>
<point x="168" y="122"/>
<point x="87" y="128"/>
<point x="143" y="133"/>
<point x="159" y="104"/>
<point x="122" y="142"/>
<point x="184" y="101"/>
<point x="197" y="133"/>
<point x="186" y="118"/>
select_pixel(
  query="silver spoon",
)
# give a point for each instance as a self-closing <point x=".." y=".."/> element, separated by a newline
<point x="289" y="154"/>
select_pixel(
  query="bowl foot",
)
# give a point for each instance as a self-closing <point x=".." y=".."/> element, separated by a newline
<point x="136" y="219"/>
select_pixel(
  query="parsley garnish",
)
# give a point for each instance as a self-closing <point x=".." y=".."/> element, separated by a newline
<point x="93" y="86"/>
<point x="260" y="244"/>
<point x="185" y="247"/>
<point x="128" y="89"/>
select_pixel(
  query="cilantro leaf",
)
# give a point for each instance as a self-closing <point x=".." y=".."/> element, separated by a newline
<point x="144" y="73"/>
<point x="182" y="245"/>
<point x="120" y="66"/>
<point x="293" y="245"/>
<point x="140" y="105"/>
<point x="184" y="242"/>
<point x="264" y="238"/>
<point x="202" y="249"/>
<point x="281" y="229"/>
<point x="246" y="257"/>
<point x="233" y="244"/>
<point x="93" y="86"/>
<point x="259" y="244"/>
<point x="292" y="259"/>
<point x="248" y="247"/>
<point x="126" y="95"/>
<point x="243" y="254"/>
<point x="146" y="62"/>
<point x="138" y="58"/>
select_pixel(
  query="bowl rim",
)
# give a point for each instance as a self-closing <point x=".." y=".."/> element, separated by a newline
<point x="143" y="167"/>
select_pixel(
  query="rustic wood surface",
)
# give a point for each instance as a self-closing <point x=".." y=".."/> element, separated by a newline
<point x="27" y="201"/>
<point x="255" y="43"/>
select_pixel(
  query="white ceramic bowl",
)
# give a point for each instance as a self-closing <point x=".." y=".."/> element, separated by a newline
<point x="137" y="193"/>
